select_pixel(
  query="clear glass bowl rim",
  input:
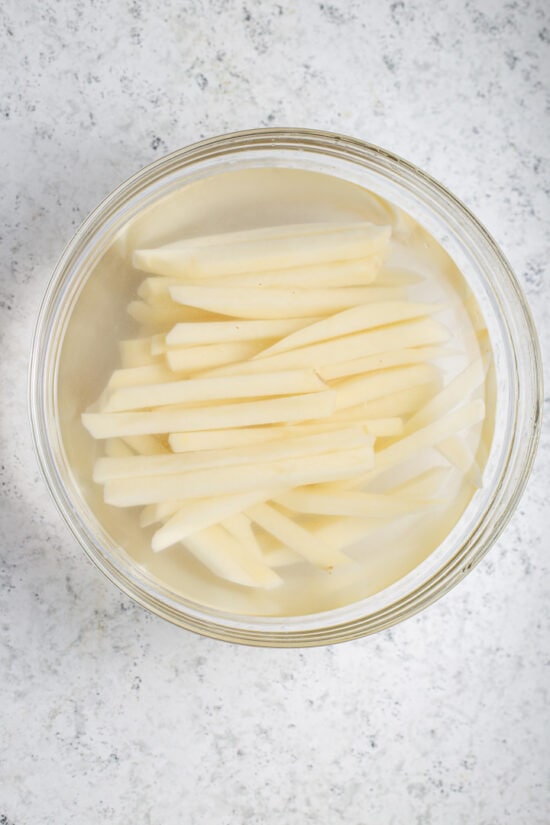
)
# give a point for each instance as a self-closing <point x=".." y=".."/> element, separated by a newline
<point x="528" y="411"/>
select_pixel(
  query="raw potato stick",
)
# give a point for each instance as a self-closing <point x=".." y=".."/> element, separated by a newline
<point x="196" y="514"/>
<point x="461" y="419"/>
<point x="454" y="393"/>
<point x="146" y="445"/>
<point x="290" y="382"/>
<point x="257" y="255"/>
<point x="155" y="316"/>
<point x="372" y="342"/>
<point x="220" y="332"/>
<point x="219" y="481"/>
<point x="195" y="359"/>
<point x="355" y="319"/>
<point x="255" y="303"/>
<point x="348" y="503"/>
<point x="240" y="527"/>
<point x="136" y="352"/>
<point x="353" y="391"/>
<point x="138" y="466"/>
<point x="292" y="408"/>
<point x="231" y="560"/>
<point x="116" y="448"/>
<point x="221" y="439"/>
<point x="400" y="403"/>
<point x="383" y="360"/>
<point x="137" y="376"/>
<point x="382" y="427"/>
<point x="307" y="545"/>
<point x="458" y="453"/>
<point x="168" y="256"/>
<point x="396" y="276"/>
<point x="359" y="272"/>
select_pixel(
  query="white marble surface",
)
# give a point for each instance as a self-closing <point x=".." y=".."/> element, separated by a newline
<point x="108" y="714"/>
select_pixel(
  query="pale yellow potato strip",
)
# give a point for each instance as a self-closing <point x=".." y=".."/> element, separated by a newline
<point x="383" y="427"/>
<point x="343" y="531"/>
<point x="424" y="485"/>
<point x="359" y="272"/>
<point x="245" y="436"/>
<point x="158" y="344"/>
<point x="240" y="527"/>
<point x="400" y="403"/>
<point x="397" y="276"/>
<point x="161" y="315"/>
<point x="194" y="359"/>
<point x="355" y="319"/>
<point x="146" y="444"/>
<point x="136" y="352"/>
<point x="371" y="342"/>
<point x="153" y="513"/>
<point x="383" y="360"/>
<point x="289" y="382"/>
<point x="454" y="393"/>
<point x="364" y="388"/>
<point x="458" y="453"/>
<point x="138" y="466"/>
<point x="117" y="448"/>
<point x="172" y="259"/>
<point x="137" y="376"/>
<point x="219" y="332"/>
<point x="311" y="547"/>
<point x="219" y="481"/>
<point x="348" y="503"/>
<point x="229" y="559"/>
<point x="257" y="303"/>
<point x="255" y="255"/>
<point x="196" y="514"/>
<point x="270" y="411"/>
<point x="408" y="446"/>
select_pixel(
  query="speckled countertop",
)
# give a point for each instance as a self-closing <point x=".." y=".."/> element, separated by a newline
<point x="108" y="714"/>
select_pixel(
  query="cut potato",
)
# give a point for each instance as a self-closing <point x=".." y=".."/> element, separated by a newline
<point x="458" y="453"/>
<point x="146" y="444"/>
<point x="243" y="302"/>
<point x="371" y="342"/>
<point x="383" y="360"/>
<point x="240" y="527"/>
<point x="454" y="393"/>
<point x="359" y="389"/>
<point x="395" y="276"/>
<point x="349" y="503"/>
<point x="217" y="332"/>
<point x="117" y="448"/>
<point x="311" y="547"/>
<point x="291" y="408"/>
<point x="255" y="255"/>
<point x="161" y="315"/>
<point x="461" y="419"/>
<point x="400" y="403"/>
<point x="219" y="481"/>
<point x="139" y="466"/>
<point x="230" y="559"/>
<point x="287" y="382"/>
<point x="137" y="376"/>
<point x="195" y="514"/>
<point x="381" y="427"/>
<point x="136" y="353"/>
<point x="196" y="359"/>
<point x="164" y="259"/>
<point x="355" y="319"/>
<point x="221" y="439"/>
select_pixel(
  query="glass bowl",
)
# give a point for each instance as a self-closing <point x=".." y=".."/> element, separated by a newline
<point x="512" y="333"/>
